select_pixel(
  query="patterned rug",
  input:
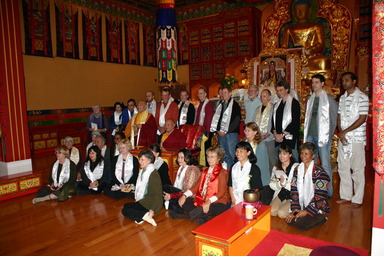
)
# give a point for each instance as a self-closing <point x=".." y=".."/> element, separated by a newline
<point x="278" y="243"/>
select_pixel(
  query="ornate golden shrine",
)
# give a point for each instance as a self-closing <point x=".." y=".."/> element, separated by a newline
<point x="337" y="15"/>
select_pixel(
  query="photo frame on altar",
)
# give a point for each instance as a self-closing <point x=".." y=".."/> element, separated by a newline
<point x="287" y="67"/>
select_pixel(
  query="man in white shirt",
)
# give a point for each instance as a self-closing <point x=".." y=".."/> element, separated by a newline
<point x="151" y="102"/>
<point x="252" y="103"/>
<point x="351" y="123"/>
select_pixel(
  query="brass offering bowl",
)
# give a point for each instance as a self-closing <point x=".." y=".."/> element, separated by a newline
<point x="251" y="196"/>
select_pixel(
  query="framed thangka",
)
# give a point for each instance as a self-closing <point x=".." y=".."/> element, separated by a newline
<point x="66" y="29"/>
<point x="114" y="38"/>
<point x="132" y="48"/>
<point x="37" y="27"/>
<point x="149" y="33"/>
<point x="92" y="35"/>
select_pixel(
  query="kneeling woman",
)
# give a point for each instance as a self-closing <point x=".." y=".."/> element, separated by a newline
<point x="94" y="177"/>
<point x="62" y="180"/>
<point x="309" y="190"/>
<point x="125" y="171"/>
<point x="210" y="193"/>
<point x="244" y="173"/>
<point x="148" y="193"/>
<point x="186" y="177"/>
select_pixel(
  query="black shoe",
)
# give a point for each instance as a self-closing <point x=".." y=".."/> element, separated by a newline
<point x="202" y="221"/>
<point x="175" y="215"/>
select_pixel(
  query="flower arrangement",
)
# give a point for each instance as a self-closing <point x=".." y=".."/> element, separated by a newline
<point x="228" y="80"/>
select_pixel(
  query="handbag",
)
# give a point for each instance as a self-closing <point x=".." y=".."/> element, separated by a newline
<point x="284" y="194"/>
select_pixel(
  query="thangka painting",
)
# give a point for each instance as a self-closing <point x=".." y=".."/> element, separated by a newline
<point x="149" y="33"/>
<point x="114" y="39"/>
<point x="183" y="43"/>
<point x="37" y="27"/>
<point x="132" y="46"/>
<point x="66" y="30"/>
<point x="92" y="42"/>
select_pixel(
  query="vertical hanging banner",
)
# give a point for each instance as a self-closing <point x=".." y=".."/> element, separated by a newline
<point x="132" y="47"/>
<point x="66" y="29"/>
<point x="114" y="38"/>
<point x="149" y="34"/>
<point x="37" y="27"/>
<point x="92" y="35"/>
<point x="167" y="44"/>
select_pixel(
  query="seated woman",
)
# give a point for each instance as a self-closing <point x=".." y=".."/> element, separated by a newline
<point x="119" y="136"/>
<point x="253" y="136"/>
<point x="173" y="139"/>
<point x="281" y="181"/>
<point x="115" y="118"/>
<point x="94" y="176"/>
<point x="160" y="165"/>
<point x="148" y="192"/>
<point x="62" y="179"/>
<point x="187" y="176"/>
<point x="74" y="154"/>
<point x="244" y="174"/>
<point x="208" y="197"/>
<point x="126" y="170"/>
<point x="309" y="190"/>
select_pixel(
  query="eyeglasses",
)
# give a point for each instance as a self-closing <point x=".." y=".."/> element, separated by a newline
<point x="57" y="153"/>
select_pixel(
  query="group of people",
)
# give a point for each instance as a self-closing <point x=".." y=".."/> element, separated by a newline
<point x="265" y="159"/>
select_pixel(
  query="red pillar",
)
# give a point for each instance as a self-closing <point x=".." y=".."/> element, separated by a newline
<point x="378" y="127"/>
<point x="15" y="155"/>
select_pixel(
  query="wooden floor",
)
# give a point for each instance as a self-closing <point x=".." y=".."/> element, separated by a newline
<point x="94" y="225"/>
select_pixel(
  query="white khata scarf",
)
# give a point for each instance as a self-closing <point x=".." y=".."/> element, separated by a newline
<point x="183" y="113"/>
<point x="117" y="118"/>
<point x="322" y="118"/>
<point x="163" y="111"/>
<point x="287" y="115"/>
<point x="64" y="174"/>
<point x="305" y="186"/>
<point x="240" y="179"/>
<point x="97" y="172"/>
<point x="202" y="113"/>
<point x="128" y="168"/>
<point x="263" y="118"/>
<point x="225" y="120"/>
<point x="180" y="177"/>
<point x="142" y="182"/>
<point x="158" y="162"/>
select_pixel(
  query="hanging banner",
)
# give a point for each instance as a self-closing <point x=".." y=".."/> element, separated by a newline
<point x="37" y="27"/>
<point x="92" y="42"/>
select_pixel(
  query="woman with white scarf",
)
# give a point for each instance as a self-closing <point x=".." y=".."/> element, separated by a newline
<point x="160" y="165"/>
<point x="309" y="191"/>
<point x="125" y="172"/>
<point x="148" y="193"/>
<point x="280" y="182"/>
<point x="244" y="174"/>
<point x="186" y="177"/>
<point x="62" y="179"/>
<point x="115" y="119"/>
<point x="94" y="176"/>
<point x="253" y="136"/>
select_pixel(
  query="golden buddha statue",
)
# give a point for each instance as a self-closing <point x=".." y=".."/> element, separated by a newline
<point x="309" y="35"/>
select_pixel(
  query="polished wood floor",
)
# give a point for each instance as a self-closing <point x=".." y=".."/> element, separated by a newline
<point x="93" y="225"/>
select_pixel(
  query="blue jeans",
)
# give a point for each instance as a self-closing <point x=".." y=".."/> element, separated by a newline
<point x="228" y="144"/>
<point x="325" y="155"/>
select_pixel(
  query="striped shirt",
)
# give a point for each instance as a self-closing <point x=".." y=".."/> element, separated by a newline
<point x="362" y="108"/>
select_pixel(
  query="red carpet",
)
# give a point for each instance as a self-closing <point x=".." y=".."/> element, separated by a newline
<point x="275" y="240"/>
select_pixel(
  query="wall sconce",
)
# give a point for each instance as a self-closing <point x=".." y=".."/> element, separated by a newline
<point x="244" y="79"/>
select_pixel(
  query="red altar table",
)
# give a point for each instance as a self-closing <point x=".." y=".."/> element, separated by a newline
<point x="231" y="234"/>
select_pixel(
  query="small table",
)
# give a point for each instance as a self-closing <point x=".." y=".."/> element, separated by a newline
<point x="231" y="234"/>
